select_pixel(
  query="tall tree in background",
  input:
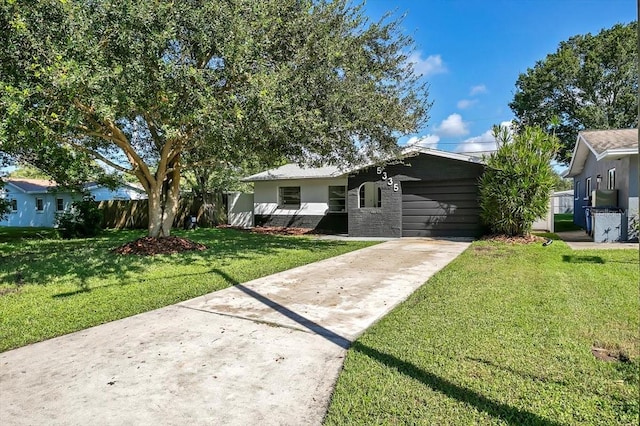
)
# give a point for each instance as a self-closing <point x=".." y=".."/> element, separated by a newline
<point x="152" y="87"/>
<point x="590" y="82"/>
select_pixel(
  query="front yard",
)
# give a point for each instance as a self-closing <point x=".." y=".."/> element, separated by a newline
<point x="505" y="335"/>
<point x="50" y="287"/>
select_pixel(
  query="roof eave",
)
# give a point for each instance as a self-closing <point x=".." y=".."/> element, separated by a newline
<point x="275" y="178"/>
<point x="571" y="171"/>
<point x="445" y="154"/>
<point x="620" y="152"/>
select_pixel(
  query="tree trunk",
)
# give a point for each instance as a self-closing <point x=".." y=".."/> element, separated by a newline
<point x="163" y="203"/>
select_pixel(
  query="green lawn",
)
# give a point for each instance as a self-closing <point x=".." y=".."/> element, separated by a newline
<point x="49" y="287"/>
<point x="503" y="336"/>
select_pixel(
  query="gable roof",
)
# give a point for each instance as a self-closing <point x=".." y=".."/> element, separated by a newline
<point x="32" y="186"/>
<point x="294" y="171"/>
<point x="602" y="144"/>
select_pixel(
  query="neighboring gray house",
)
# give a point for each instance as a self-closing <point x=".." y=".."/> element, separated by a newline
<point x="605" y="159"/>
<point x="428" y="193"/>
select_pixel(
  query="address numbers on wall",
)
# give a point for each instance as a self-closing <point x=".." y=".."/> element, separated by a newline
<point x="389" y="180"/>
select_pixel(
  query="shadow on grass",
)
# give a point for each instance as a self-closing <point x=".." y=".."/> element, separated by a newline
<point x="507" y="413"/>
<point x="582" y="259"/>
<point x="38" y="262"/>
<point x="294" y="316"/>
<point x="85" y="289"/>
<point x="516" y="372"/>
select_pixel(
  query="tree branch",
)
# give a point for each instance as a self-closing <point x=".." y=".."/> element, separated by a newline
<point x="99" y="156"/>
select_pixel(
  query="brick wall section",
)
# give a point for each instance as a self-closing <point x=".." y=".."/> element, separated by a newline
<point x="386" y="221"/>
<point x="332" y="222"/>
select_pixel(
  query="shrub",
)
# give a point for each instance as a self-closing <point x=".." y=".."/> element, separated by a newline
<point x="515" y="189"/>
<point x="83" y="220"/>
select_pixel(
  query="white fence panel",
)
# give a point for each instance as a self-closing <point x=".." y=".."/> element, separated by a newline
<point x="240" y="209"/>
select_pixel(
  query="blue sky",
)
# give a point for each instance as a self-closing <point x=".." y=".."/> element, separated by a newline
<point x="472" y="51"/>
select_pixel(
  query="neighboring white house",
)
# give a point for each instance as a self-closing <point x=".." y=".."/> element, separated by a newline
<point x="35" y="202"/>
<point x="125" y="191"/>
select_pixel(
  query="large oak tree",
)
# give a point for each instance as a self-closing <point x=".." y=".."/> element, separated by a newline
<point x="151" y="87"/>
<point x="590" y="82"/>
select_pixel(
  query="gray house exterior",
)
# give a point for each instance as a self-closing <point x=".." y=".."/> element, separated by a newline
<point x="606" y="159"/>
<point x="428" y="193"/>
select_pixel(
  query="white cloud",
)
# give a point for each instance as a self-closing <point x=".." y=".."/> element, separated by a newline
<point x="485" y="143"/>
<point x="466" y="103"/>
<point x="478" y="90"/>
<point x="452" y="126"/>
<point x="428" y="141"/>
<point x="431" y="65"/>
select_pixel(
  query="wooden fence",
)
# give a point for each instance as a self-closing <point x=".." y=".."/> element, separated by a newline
<point x="134" y="214"/>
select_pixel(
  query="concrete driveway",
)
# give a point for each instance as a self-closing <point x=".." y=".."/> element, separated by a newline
<point x="264" y="352"/>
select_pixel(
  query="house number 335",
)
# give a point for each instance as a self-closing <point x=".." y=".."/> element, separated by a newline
<point x="389" y="180"/>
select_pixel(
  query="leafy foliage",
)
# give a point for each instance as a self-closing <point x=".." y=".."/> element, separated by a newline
<point x="590" y="82"/>
<point x="5" y="205"/>
<point x="28" y="172"/>
<point x="515" y="189"/>
<point x="150" y="88"/>
<point x="83" y="220"/>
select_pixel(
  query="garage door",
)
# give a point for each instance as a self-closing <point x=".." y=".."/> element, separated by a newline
<point x="441" y="209"/>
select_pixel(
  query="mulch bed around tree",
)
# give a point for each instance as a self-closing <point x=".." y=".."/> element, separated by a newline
<point x="149" y="246"/>
<point x="530" y="239"/>
<point x="274" y="230"/>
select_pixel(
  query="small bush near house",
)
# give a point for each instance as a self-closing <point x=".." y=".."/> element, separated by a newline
<point x="84" y="220"/>
<point x="514" y="191"/>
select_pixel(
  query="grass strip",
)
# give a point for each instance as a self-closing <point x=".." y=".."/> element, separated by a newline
<point x="503" y="336"/>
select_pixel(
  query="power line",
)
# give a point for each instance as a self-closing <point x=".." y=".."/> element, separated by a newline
<point x="466" y="142"/>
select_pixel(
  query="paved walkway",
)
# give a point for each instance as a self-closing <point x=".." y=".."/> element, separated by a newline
<point x="265" y="352"/>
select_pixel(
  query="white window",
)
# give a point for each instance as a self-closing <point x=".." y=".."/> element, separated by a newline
<point x="289" y="197"/>
<point x="59" y="204"/>
<point x="39" y="204"/>
<point x="611" y="180"/>
<point x="337" y="198"/>
<point x="587" y="188"/>
<point x="369" y="195"/>
<point x="576" y="191"/>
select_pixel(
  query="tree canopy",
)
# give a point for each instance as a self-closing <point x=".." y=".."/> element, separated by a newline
<point x="590" y="82"/>
<point x="137" y="85"/>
